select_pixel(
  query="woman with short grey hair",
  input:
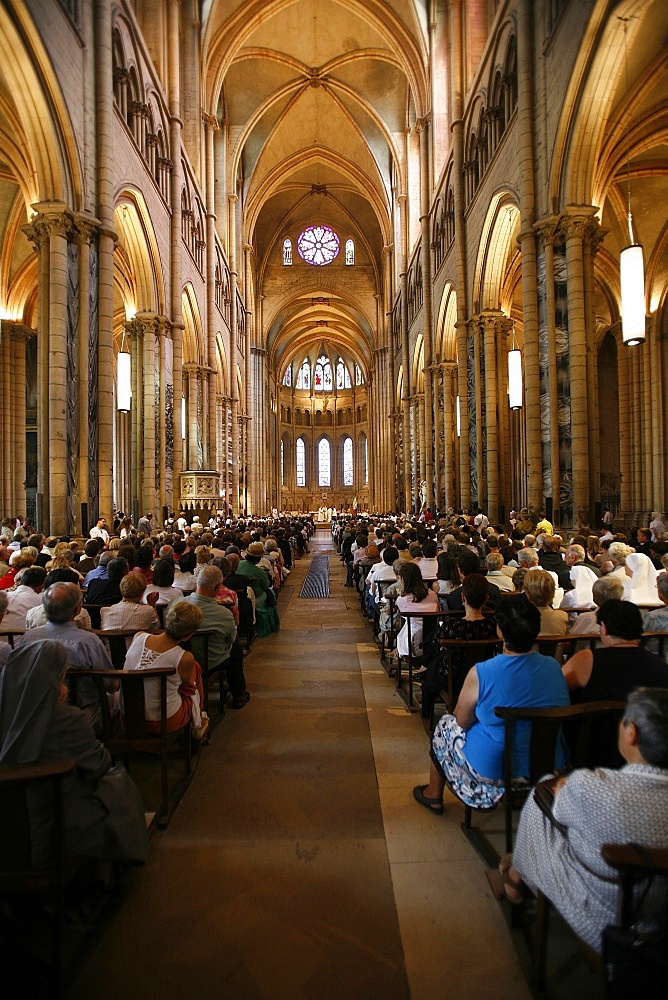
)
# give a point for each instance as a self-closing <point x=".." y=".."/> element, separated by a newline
<point x="599" y="807"/>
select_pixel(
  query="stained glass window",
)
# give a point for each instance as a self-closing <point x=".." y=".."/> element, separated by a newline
<point x="324" y="463"/>
<point x="342" y="375"/>
<point x="304" y="376"/>
<point x="359" y="378"/>
<point x="287" y="253"/>
<point x="301" y="462"/>
<point x="348" y="462"/>
<point x="318" y="245"/>
<point x="287" y="378"/>
<point x="322" y="376"/>
<point x="350" y="252"/>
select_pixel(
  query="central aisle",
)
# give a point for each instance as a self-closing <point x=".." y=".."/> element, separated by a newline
<point x="297" y="863"/>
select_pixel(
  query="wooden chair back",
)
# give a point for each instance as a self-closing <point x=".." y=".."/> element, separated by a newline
<point x="461" y="655"/>
<point x="546" y="727"/>
<point x="246" y="627"/>
<point x="130" y="734"/>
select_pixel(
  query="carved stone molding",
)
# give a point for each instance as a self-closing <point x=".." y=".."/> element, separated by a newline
<point x="200" y="487"/>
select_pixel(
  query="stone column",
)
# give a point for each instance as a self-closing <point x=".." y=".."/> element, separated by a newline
<point x="594" y="237"/>
<point x="449" y="431"/>
<point x="86" y="229"/>
<point x="148" y="425"/>
<point x="405" y="354"/>
<point x="476" y="333"/>
<point x="250" y="467"/>
<point x="192" y="374"/>
<point x="175" y="130"/>
<point x="425" y="254"/>
<point x="211" y="127"/>
<point x="134" y="331"/>
<point x="657" y="440"/>
<point x="392" y="445"/>
<point x="57" y="377"/>
<point x="507" y="475"/>
<point x="576" y="226"/>
<point x="106" y="181"/>
<point x="551" y="235"/>
<point x="19" y="335"/>
<point x="7" y="428"/>
<point x="625" y="427"/>
<point x="488" y="326"/>
<point x="457" y="90"/>
<point x="226" y="451"/>
<point x="527" y="242"/>
<point x="234" y="391"/>
<point x="162" y="331"/>
<point x="422" y="435"/>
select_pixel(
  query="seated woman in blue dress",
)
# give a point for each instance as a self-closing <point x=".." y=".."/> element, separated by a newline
<point x="467" y="747"/>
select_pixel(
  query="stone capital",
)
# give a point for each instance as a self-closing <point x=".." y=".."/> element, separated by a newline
<point x="17" y="331"/>
<point x="210" y="121"/>
<point x="86" y="227"/>
<point x="579" y="221"/>
<point x="134" y="328"/>
<point x="549" y="230"/>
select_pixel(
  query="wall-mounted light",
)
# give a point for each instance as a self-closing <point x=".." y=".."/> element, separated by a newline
<point x="515" y="388"/>
<point x="458" y="417"/>
<point x="123" y="378"/>
<point x="631" y="265"/>
<point x="183" y="418"/>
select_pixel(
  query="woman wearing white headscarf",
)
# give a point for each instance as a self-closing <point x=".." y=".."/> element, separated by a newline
<point x="583" y="579"/>
<point x="104" y="815"/>
<point x="640" y="588"/>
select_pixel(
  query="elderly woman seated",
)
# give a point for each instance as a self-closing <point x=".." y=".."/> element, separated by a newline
<point x="539" y="587"/>
<point x="467" y="747"/>
<point x="130" y="613"/>
<point x="599" y="807"/>
<point x="104" y="815"/>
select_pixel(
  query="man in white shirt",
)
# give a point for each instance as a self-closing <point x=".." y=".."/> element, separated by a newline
<point x="100" y="530"/>
<point x="481" y="521"/>
<point x="656" y="526"/>
<point x="26" y="596"/>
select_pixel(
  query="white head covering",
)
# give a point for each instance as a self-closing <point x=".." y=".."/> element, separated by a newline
<point x="641" y="587"/>
<point x="583" y="580"/>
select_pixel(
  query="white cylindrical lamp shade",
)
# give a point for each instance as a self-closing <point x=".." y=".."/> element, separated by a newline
<point x="458" y="414"/>
<point x="183" y="418"/>
<point x="123" y="382"/>
<point x="515" y="379"/>
<point x="632" y="278"/>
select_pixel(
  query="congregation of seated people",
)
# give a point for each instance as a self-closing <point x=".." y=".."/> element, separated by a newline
<point x="167" y="584"/>
<point x="158" y="587"/>
<point x="520" y="588"/>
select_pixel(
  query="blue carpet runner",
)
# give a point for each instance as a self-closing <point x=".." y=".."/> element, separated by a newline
<point x="316" y="581"/>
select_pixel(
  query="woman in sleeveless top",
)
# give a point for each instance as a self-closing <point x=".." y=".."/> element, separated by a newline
<point x="185" y="694"/>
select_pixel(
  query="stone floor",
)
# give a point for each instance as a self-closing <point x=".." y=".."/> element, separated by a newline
<point x="298" y="865"/>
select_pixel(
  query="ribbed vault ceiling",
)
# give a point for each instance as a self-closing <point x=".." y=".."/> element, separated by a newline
<point x="317" y="96"/>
